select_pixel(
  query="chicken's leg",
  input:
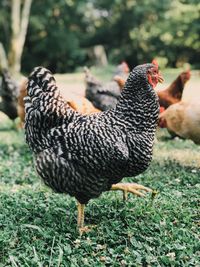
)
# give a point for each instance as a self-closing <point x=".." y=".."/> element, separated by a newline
<point x="130" y="187"/>
<point x="80" y="219"/>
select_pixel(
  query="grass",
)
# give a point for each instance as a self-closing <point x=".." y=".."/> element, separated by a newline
<point x="38" y="227"/>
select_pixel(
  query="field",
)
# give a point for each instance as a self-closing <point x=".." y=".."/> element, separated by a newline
<point x="38" y="227"/>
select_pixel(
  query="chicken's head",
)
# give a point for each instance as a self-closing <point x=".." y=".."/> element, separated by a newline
<point x="185" y="76"/>
<point x="154" y="76"/>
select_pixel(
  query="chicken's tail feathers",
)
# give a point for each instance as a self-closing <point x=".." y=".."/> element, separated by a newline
<point x="42" y="92"/>
<point x="42" y="79"/>
<point x="44" y="97"/>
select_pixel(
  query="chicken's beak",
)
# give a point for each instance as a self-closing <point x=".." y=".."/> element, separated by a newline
<point x="160" y="78"/>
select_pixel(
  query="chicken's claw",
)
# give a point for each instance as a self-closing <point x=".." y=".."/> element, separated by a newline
<point x="131" y="188"/>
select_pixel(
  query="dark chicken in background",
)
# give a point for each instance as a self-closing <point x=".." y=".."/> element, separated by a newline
<point x="122" y="70"/>
<point x="104" y="96"/>
<point x="9" y="93"/>
<point x="85" y="155"/>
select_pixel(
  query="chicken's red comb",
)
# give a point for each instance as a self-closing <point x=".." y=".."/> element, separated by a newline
<point x="155" y="62"/>
<point x="162" y="109"/>
<point x="188" y="72"/>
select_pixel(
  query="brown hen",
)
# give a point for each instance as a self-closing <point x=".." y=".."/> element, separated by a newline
<point x="173" y="93"/>
<point x="182" y="119"/>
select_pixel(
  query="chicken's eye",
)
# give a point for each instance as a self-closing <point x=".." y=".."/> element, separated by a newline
<point x="154" y="71"/>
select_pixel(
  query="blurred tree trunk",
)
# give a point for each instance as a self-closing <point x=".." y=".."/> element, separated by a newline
<point x="19" y="25"/>
<point x="100" y="55"/>
<point x="3" y="57"/>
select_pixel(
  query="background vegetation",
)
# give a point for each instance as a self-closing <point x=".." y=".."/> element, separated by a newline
<point x="61" y="34"/>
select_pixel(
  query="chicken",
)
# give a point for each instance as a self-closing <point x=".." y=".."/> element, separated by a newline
<point x="85" y="155"/>
<point x="104" y="96"/>
<point x="182" y="119"/>
<point x="173" y="93"/>
<point x="81" y="104"/>
<point x="9" y="93"/>
<point x="78" y="103"/>
<point x="122" y="70"/>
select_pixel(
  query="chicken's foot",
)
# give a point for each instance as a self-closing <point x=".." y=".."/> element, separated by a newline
<point x="130" y="188"/>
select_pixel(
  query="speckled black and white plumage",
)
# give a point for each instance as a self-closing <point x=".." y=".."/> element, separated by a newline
<point x="9" y="92"/>
<point x="84" y="155"/>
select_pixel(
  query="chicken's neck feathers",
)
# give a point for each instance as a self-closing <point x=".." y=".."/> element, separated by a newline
<point x="138" y="106"/>
<point x="176" y="87"/>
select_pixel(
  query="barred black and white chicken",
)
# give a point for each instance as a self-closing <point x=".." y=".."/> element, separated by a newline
<point x="85" y="155"/>
<point x="104" y="96"/>
<point x="9" y="93"/>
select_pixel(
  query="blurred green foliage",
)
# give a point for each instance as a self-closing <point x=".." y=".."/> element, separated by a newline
<point x="62" y="32"/>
